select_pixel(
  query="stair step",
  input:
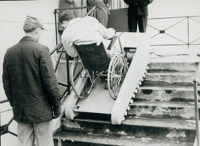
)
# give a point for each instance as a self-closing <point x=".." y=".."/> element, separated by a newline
<point x="169" y="79"/>
<point x="166" y="93"/>
<point x="173" y="55"/>
<point x="89" y="139"/>
<point x="164" y="104"/>
<point x="148" y="122"/>
<point x="173" y="67"/>
<point x="161" y="123"/>
<point x="179" y="110"/>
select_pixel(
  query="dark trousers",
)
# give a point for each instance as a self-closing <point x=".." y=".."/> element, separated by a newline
<point x="134" y="20"/>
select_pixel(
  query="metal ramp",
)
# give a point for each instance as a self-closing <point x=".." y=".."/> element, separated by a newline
<point x="99" y="102"/>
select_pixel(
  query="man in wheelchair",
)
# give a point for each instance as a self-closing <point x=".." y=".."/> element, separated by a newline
<point x="83" y="31"/>
<point x="87" y="38"/>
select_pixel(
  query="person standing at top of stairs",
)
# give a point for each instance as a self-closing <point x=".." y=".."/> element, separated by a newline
<point x="137" y="14"/>
<point x="101" y="10"/>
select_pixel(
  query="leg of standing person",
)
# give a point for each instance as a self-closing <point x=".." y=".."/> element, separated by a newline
<point x="26" y="135"/>
<point x="142" y="23"/>
<point x="102" y="15"/>
<point x="132" y="23"/>
<point x="44" y="133"/>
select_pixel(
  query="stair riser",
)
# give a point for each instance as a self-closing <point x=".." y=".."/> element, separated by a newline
<point x="151" y="79"/>
<point x="126" y="131"/>
<point x="168" y="79"/>
<point x="69" y="142"/>
<point x="165" y="95"/>
<point x="158" y="112"/>
<point x="158" y="75"/>
<point x="173" y="67"/>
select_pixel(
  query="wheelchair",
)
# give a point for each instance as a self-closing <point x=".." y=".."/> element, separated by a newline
<point x="98" y="63"/>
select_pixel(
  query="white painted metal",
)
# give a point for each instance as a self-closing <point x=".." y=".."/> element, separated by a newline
<point x="134" y="75"/>
<point x="72" y="98"/>
<point x="99" y="101"/>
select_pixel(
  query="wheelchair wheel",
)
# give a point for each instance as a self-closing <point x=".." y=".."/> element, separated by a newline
<point x="75" y="73"/>
<point x="116" y="73"/>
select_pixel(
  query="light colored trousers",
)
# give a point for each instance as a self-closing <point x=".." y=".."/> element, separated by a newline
<point x="41" y="133"/>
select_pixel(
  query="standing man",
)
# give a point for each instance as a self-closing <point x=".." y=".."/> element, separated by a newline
<point x="137" y="14"/>
<point x="31" y="87"/>
<point x="101" y="10"/>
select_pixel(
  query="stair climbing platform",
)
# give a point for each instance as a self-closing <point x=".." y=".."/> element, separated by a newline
<point x="160" y="112"/>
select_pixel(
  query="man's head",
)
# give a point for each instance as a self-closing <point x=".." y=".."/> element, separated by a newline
<point x="33" y="27"/>
<point x="66" y="16"/>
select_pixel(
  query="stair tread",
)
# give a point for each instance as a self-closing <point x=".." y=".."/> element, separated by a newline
<point x="174" y="61"/>
<point x="116" y="140"/>
<point x="164" y="104"/>
<point x="171" y="58"/>
<point x="150" y="122"/>
<point x="171" y="73"/>
<point x="162" y="123"/>
<point x="171" y="87"/>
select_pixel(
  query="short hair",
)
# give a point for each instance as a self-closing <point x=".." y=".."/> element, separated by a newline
<point x="66" y="15"/>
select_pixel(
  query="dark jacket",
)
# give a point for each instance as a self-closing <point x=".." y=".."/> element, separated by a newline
<point x="29" y="81"/>
<point x="138" y="7"/>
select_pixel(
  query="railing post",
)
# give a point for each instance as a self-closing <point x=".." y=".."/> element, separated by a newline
<point x="67" y="67"/>
<point x="188" y="31"/>
<point x="59" y="58"/>
<point x="56" y="30"/>
<point x="196" y="112"/>
<point x="0" y="126"/>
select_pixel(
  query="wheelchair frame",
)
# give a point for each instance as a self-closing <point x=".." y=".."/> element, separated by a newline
<point x="115" y="74"/>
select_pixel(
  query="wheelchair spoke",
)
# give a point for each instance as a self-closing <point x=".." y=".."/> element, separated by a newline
<point x="116" y="90"/>
<point x="116" y="75"/>
<point x="113" y="83"/>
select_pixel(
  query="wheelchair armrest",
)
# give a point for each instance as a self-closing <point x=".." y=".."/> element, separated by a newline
<point x="113" y="40"/>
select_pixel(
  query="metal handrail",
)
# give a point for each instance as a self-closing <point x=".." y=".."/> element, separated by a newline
<point x="196" y="81"/>
<point x="197" y="75"/>
<point x="187" y="42"/>
<point x="4" y="129"/>
<point x="173" y="17"/>
<point x="60" y="48"/>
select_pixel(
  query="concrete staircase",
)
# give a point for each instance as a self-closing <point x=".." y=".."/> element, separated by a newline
<point x="162" y="113"/>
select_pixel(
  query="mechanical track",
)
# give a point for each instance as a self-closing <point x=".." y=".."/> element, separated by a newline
<point x="96" y="101"/>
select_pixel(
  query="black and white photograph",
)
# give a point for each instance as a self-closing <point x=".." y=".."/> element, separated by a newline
<point x="99" y="72"/>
